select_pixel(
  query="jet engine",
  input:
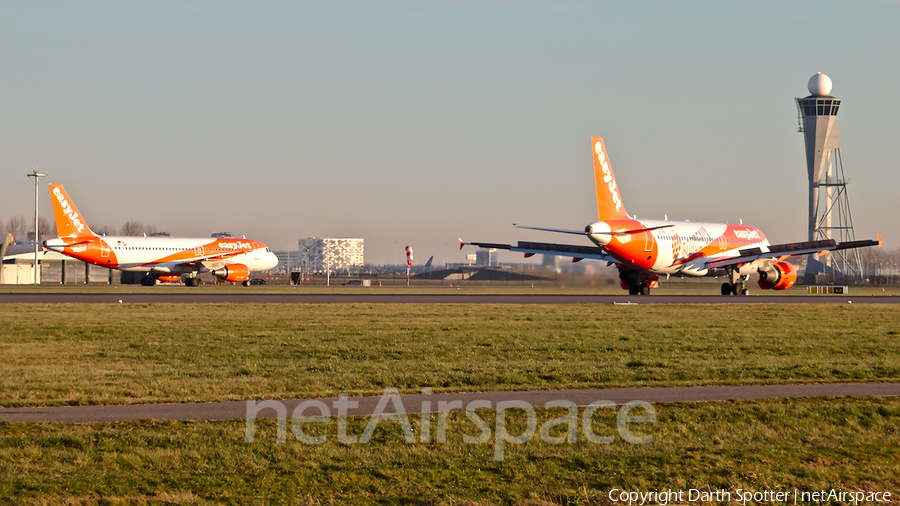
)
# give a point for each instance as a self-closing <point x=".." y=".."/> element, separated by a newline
<point x="778" y="276"/>
<point x="235" y="273"/>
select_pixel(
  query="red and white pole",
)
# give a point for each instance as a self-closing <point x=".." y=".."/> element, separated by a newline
<point x="409" y="259"/>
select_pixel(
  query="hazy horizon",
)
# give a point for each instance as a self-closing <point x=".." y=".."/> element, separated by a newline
<point x="406" y="122"/>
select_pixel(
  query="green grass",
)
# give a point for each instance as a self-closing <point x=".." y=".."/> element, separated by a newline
<point x="80" y="354"/>
<point x="127" y="353"/>
<point x="805" y="444"/>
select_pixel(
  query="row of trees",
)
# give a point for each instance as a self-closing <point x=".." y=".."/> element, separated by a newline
<point x="131" y="227"/>
<point x="20" y="226"/>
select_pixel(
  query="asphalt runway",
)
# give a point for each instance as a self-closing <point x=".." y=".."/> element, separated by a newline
<point x="415" y="403"/>
<point x="148" y="297"/>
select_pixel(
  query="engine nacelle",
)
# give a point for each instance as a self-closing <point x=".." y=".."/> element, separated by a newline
<point x="235" y="273"/>
<point x="779" y="276"/>
<point x="170" y="278"/>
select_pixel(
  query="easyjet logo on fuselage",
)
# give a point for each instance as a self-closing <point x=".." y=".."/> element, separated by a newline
<point x="67" y="209"/>
<point x="607" y="176"/>
<point x="235" y="245"/>
<point x="747" y="234"/>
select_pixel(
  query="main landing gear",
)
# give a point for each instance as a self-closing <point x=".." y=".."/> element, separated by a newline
<point x="194" y="281"/>
<point x="636" y="282"/>
<point x="736" y="286"/>
<point x="641" y="289"/>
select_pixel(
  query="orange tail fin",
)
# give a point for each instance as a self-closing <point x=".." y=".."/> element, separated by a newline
<point x="69" y="222"/>
<point x="609" y="203"/>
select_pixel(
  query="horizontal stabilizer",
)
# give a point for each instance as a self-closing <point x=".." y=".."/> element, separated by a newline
<point x="543" y="248"/>
<point x="557" y="230"/>
<point x="635" y="231"/>
<point x="587" y="232"/>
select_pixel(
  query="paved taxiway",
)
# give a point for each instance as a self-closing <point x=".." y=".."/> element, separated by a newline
<point x="414" y="403"/>
<point x="199" y="296"/>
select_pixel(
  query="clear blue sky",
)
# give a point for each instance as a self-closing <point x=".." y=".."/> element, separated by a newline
<point x="409" y="122"/>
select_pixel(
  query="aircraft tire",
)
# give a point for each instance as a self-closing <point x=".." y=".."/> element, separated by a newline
<point x="726" y="288"/>
<point x="645" y="290"/>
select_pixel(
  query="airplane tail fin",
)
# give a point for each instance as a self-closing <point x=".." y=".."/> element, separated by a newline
<point x="609" y="203"/>
<point x="69" y="222"/>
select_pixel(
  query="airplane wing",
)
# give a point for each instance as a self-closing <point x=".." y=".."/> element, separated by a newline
<point x="786" y="250"/>
<point x="543" y="248"/>
<point x="215" y="261"/>
<point x="210" y="261"/>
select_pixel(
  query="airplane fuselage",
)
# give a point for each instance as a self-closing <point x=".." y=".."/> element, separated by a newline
<point x="166" y="254"/>
<point x="674" y="247"/>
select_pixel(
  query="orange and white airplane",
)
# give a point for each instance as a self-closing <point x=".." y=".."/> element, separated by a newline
<point x="644" y="249"/>
<point x="163" y="258"/>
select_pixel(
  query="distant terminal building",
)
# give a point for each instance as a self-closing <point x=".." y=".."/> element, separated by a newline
<point x="330" y="253"/>
<point x="53" y="267"/>
<point x="288" y="261"/>
<point x="551" y="262"/>
<point x="486" y="258"/>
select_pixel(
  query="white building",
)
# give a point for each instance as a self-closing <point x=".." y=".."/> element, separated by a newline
<point x="330" y="253"/>
<point x="486" y="258"/>
<point x="288" y="261"/>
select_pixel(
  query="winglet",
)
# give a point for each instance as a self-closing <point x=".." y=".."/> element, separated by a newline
<point x="69" y="222"/>
<point x="879" y="240"/>
<point x="461" y="243"/>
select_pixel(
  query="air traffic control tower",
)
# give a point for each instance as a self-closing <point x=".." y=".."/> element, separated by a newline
<point x="829" y="205"/>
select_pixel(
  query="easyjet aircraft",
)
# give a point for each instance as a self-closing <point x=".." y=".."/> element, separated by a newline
<point x="644" y="249"/>
<point x="163" y="258"/>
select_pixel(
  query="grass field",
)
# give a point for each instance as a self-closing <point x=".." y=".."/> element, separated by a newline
<point x="805" y="444"/>
<point x="71" y="354"/>
<point x="111" y="354"/>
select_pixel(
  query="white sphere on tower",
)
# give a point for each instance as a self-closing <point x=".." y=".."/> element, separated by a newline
<point x="819" y="85"/>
